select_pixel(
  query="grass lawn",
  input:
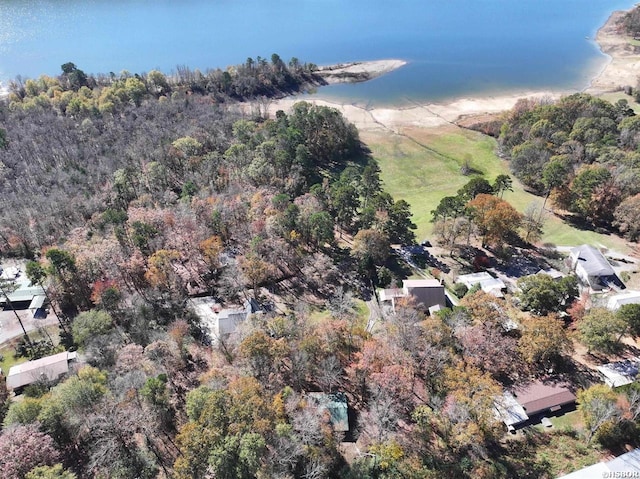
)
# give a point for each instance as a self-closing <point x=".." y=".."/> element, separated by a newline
<point x="422" y="166"/>
<point x="6" y="352"/>
<point x="362" y="313"/>
<point x="8" y="349"/>
<point x="568" y="421"/>
<point x="618" y="95"/>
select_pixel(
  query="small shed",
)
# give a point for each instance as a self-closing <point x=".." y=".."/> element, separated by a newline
<point x="37" y="306"/>
<point x="48" y="368"/>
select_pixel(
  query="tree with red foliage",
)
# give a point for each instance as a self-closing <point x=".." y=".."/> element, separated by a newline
<point x="24" y="447"/>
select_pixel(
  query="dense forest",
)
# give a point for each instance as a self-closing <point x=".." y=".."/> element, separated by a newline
<point x="133" y="194"/>
<point x="130" y="209"/>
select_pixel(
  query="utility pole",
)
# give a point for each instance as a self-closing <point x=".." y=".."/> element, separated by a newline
<point x="3" y="291"/>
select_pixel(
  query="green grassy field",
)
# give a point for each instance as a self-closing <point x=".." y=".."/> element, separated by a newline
<point x="619" y="95"/>
<point x="423" y="165"/>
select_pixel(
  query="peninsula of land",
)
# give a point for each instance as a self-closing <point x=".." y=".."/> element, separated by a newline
<point x="354" y="72"/>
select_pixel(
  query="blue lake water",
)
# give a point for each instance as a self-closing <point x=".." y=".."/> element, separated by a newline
<point x="454" y="47"/>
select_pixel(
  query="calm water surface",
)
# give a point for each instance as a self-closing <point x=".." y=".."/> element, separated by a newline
<point x="455" y="47"/>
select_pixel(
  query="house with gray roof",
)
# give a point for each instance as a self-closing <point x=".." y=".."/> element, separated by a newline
<point x="593" y="269"/>
<point x="220" y="322"/>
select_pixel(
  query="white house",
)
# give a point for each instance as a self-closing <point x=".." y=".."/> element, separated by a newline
<point x="616" y="301"/>
<point x="220" y="322"/>
<point x="593" y="269"/>
<point x="487" y="283"/>
<point x="48" y="368"/>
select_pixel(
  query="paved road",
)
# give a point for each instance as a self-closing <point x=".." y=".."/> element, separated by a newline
<point x="10" y="327"/>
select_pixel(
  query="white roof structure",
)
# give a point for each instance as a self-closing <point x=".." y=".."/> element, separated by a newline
<point x="619" y="373"/>
<point x="219" y="321"/>
<point x="509" y="411"/>
<point x="420" y="283"/>
<point x="488" y="283"/>
<point x="554" y="273"/>
<point x="628" y="463"/>
<point x="24" y="291"/>
<point x="617" y="300"/>
<point x="597" y="470"/>
<point x="10" y="273"/>
<point x="37" y="301"/>
<point x="48" y="368"/>
<point x="390" y="294"/>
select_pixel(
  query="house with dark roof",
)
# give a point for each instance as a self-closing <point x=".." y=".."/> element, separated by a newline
<point x="530" y="402"/>
<point x="593" y="269"/>
<point x="426" y="292"/>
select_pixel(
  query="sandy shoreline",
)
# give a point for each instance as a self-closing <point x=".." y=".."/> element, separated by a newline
<point x="623" y="68"/>
<point x="421" y="115"/>
<point x="353" y="72"/>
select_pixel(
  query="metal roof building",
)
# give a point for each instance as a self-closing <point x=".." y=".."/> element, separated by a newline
<point x="626" y="465"/>
<point x="619" y="373"/>
<point x="24" y="292"/>
<point x="594" y="269"/>
<point x="48" y="368"/>
<point x="616" y="301"/>
<point x="220" y="322"/>
<point x="487" y="283"/>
